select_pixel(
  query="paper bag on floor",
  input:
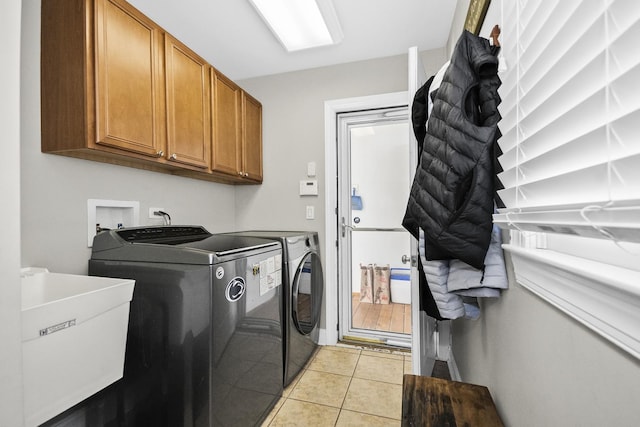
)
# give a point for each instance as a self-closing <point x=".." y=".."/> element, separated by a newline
<point x="381" y="284"/>
<point x="366" y="283"/>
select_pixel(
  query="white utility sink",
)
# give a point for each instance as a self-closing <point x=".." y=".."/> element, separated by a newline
<point x="74" y="331"/>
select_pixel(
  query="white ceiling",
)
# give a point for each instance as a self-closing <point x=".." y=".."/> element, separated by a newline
<point x="230" y="35"/>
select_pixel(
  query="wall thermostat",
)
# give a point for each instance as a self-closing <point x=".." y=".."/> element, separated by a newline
<point x="309" y="187"/>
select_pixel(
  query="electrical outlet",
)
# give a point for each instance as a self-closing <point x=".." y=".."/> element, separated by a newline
<point x="152" y="210"/>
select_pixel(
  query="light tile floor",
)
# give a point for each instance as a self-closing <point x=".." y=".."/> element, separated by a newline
<point x="345" y="386"/>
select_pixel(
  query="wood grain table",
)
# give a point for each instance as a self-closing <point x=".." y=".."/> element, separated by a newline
<point x="434" y="402"/>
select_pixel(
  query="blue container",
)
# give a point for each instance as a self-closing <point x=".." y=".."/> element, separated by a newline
<point x="400" y="274"/>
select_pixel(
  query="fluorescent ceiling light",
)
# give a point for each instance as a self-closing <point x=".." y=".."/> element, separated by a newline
<point x="301" y="24"/>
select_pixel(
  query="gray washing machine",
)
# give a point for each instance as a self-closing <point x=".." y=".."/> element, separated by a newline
<point x="205" y="339"/>
<point x="303" y="290"/>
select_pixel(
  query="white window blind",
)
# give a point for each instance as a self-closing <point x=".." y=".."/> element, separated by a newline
<point x="571" y="157"/>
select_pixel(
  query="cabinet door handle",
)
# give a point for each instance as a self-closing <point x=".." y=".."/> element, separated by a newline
<point x="246" y="174"/>
<point x="240" y="173"/>
<point x="160" y="153"/>
<point x="174" y="156"/>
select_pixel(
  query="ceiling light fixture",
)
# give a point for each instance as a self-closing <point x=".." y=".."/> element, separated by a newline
<point x="301" y="24"/>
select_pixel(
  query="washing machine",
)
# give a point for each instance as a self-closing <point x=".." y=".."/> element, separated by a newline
<point x="205" y="343"/>
<point x="303" y="289"/>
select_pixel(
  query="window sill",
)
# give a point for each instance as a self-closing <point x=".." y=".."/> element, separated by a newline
<point x="603" y="297"/>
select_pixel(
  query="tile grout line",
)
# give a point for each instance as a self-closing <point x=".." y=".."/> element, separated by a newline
<point x="348" y="386"/>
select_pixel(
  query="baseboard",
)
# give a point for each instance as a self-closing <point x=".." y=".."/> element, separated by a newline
<point x="453" y="368"/>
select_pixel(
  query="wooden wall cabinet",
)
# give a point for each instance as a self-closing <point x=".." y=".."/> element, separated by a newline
<point x="237" y="130"/>
<point x="188" y="105"/>
<point x="116" y="88"/>
<point x="102" y="84"/>
<point x="251" y="138"/>
<point x="226" y="108"/>
<point x="129" y="109"/>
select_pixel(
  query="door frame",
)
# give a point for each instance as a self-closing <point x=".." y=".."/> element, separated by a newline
<point x="329" y="335"/>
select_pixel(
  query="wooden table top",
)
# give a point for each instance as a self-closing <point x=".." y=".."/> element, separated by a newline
<point x="428" y="401"/>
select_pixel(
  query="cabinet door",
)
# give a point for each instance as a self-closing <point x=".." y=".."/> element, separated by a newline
<point x="251" y="138"/>
<point x="129" y="95"/>
<point x="227" y="156"/>
<point x="188" y="110"/>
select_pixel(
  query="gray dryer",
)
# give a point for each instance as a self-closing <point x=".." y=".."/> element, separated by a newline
<point x="303" y="292"/>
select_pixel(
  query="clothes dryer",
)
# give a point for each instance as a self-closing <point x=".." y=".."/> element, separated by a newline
<point x="303" y="292"/>
<point x="205" y="335"/>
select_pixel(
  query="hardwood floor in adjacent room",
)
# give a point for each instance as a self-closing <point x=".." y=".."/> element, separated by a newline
<point x="390" y="317"/>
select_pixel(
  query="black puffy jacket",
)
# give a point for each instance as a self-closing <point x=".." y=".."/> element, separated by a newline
<point x="451" y="197"/>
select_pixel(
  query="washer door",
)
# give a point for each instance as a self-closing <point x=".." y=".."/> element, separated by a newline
<point x="306" y="294"/>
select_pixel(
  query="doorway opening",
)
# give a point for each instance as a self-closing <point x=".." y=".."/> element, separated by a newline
<point x="423" y="331"/>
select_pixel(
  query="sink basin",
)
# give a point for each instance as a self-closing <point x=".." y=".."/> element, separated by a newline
<point x="74" y="331"/>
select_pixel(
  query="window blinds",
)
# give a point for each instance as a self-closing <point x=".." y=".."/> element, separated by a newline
<point x="570" y="125"/>
<point x="571" y="118"/>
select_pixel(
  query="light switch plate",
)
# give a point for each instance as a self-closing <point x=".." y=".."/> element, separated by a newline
<point x="311" y="169"/>
<point x="311" y="214"/>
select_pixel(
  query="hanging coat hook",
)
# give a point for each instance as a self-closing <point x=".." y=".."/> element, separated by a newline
<point x="495" y="33"/>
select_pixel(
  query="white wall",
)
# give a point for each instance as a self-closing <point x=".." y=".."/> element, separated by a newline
<point x="293" y="115"/>
<point x="55" y="189"/>
<point x="542" y="367"/>
<point x="10" y="325"/>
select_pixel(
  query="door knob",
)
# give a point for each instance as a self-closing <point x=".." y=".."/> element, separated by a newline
<point x="406" y="259"/>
